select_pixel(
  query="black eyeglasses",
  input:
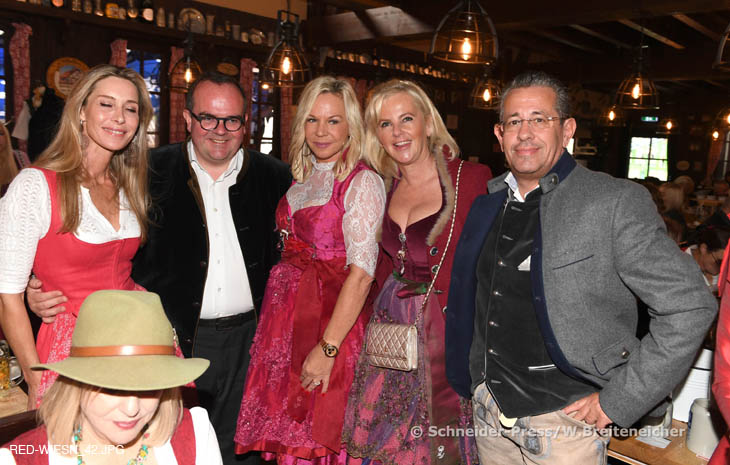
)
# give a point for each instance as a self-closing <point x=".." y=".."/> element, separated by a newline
<point x="210" y="123"/>
<point x="539" y="122"/>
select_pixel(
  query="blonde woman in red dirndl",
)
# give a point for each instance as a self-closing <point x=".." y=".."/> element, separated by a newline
<point x="76" y="218"/>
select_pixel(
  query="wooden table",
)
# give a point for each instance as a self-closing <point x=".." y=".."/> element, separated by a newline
<point x="631" y="450"/>
<point x="15" y="402"/>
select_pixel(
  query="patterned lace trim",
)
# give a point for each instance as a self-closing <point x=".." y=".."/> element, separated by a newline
<point x="364" y="207"/>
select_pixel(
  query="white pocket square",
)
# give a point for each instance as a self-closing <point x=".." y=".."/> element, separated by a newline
<point x="525" y="265"/>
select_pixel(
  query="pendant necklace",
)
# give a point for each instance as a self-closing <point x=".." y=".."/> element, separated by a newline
<point x="138" y="460"/>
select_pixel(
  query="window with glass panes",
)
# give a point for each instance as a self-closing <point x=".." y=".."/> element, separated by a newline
<point x="262" y="116"/>
<point x="148" y="66"/>
<point x="3" y="107"/>
<point x="648" y="157"/>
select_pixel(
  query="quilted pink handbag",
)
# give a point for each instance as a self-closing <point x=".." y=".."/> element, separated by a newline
<point x="395" y="345"/>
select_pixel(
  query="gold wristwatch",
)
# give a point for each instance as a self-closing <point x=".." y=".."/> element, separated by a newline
<point x="330" y="350"/>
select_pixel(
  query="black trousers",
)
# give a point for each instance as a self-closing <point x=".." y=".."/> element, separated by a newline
<point x="220" y="389"/>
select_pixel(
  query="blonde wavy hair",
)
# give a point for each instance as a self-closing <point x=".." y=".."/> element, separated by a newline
<point x="128" y="167"/>
<point x="8" y="168"/>
<point x="299" y="151"/>
<point x="60" y="411"/>
<point x="373" y="151"/>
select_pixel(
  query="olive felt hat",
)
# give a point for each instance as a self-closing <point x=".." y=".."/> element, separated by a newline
<point x="123" y="340"/>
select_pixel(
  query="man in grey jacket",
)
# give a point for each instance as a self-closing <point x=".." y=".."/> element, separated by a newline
<point x="541" y="319"/>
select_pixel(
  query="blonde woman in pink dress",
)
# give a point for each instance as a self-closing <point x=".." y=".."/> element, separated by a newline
<point x="312" y="324"/>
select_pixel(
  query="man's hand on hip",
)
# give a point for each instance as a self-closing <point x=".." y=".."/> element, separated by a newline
<point x="44" y="304"/>
<point x="589" y="410"/>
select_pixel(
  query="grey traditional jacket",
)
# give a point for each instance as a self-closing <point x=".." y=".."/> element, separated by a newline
<point x="600" y="244"/>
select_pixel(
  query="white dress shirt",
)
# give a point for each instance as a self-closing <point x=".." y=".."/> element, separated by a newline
<point x="227" y="291"/>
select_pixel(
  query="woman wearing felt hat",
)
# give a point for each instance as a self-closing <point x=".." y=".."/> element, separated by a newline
<point x="117" y="397"/>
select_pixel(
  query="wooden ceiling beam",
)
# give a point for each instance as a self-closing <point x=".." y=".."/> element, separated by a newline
<point x="528" y="44"/>
<point x="570" y="43"/>
<point x="421" y="18"/>
<point x="717" y="84"/>
<point x="356" y="5"/>
<point x="696" y="26"/>
<point x="600" y="36"/>
<point x="652" y="34"/>
<point x="506" y="16"/>
<point x="676" y="65"/>
<point x="370" y="24"/>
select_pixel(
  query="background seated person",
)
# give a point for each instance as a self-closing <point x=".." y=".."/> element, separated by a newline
<point x="707" y="247"/>
<point x="688" y="185"/>
<point x="117" y="398"/>
<point x="719" y="217"/>
<point x="674" y="201"/>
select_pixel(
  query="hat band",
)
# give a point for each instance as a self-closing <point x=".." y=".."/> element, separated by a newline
<point x="111" y="351"/>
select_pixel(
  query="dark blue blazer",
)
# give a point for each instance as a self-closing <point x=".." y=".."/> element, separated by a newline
<point x="462" y="290"/>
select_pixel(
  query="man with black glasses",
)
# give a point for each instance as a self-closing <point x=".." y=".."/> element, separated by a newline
<point x="541" y="319"/>
<point x="212" y="243"/>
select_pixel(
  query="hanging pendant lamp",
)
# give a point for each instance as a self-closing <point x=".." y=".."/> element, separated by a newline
<point x="637" y="92"/>
<point x="466" y="35"/>
<point x="487" y="93"/>
<point x="721" y="124"/>
<point x="286" y="65"/>
<point x="187" y="70"/>
<point x="612" y="117"/>
<point x="667" y="126"/>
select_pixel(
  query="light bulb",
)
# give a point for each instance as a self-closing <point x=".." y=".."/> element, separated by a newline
<point x="486" y="95"/>
<point x="265" y="86"/>
<point x="715" y="135"/>
<point x="188" y="75"/>
<point x="636" y="91"/>
<point x="286" y="65"/>
<point x="611" y="115"/>
<point x="669" y="125"/>
<point x="466" y="49"/>
<point x="727" y="118"/>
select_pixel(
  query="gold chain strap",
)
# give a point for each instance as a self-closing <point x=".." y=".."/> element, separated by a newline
<point x="448" y="241"/>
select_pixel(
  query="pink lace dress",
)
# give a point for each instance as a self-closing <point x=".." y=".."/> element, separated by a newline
<point x="326" y="225"/>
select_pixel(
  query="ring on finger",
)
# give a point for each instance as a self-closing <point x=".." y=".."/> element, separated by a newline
<point x="316" y="383"/>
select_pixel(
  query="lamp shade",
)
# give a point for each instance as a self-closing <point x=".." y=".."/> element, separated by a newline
<point x="637" y="92"/>
<point x="466" y="35"/>
<point x="486" y="94"/>
<point x="185" y="72"/>
<point x="286" y="65"/>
